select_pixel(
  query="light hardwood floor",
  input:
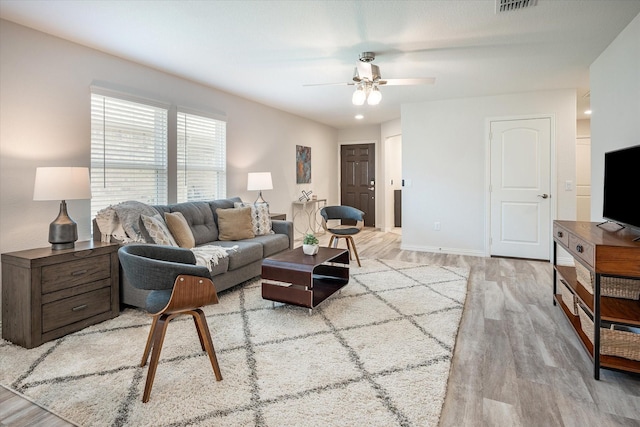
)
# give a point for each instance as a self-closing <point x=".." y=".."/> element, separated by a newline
<point x="516" y="363"/>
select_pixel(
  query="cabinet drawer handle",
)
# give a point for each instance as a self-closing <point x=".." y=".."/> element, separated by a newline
<point x="579" y="249"/>
<point x="560" y="233"/>
<point x="80" y="307"/>
<point x="78" y="273"/>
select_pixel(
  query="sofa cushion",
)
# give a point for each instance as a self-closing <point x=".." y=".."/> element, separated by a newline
<point x="272" y="243"/>
<point x="246" y="252"/>
<point x="260" y="218"/>
<point x="158" y="230"/>
<point x="235" y="224"/>
<point x="200" y="219"/>
<point x="180" y="229"/>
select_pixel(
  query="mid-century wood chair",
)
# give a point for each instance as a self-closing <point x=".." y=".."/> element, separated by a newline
<point x="343" y="231"/>
<point x="178" y="287"/>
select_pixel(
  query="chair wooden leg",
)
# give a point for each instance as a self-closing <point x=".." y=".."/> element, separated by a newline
<point x="203" y="331"/>
<point x="195" y="321"/>
<point x="332" y="240"/>
<point x="147" y="348"/>
<point x="353" y="246"/>
<point x="158" y="338"/>
<point x="346" y="242"/>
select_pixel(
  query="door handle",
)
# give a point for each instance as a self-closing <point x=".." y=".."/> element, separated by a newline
<point x="372" y="188"/>
<point x="544" y="196"/>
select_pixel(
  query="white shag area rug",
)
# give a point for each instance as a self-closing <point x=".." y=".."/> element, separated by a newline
<point x="376" y="354"/>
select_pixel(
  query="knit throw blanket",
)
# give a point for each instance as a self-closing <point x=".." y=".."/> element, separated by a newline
<point x="210" y="255"/>
<point x="122" y="221"/>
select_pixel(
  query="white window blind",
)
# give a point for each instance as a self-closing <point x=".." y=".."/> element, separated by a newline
<point x="128" y="152"/>
<point x="201" y="158"/>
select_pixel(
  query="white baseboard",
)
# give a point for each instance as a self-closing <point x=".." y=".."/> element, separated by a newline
<point x="435" y="249"/>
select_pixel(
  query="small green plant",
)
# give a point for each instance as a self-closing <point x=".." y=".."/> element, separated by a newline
<point x="310" y="239"/>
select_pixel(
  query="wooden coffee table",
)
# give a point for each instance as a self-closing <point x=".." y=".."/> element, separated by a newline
<point x="304" y="280"/>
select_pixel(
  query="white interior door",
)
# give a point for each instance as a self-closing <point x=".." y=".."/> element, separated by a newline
<point x="520" y="188"/>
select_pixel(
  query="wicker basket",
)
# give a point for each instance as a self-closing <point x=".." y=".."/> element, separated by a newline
<point x="568" y="298"/>
<point x="609" y="286"/>
<point x="612" y="342"/>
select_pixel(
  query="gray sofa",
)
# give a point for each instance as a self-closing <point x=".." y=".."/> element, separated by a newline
<point x="240" y="265"/>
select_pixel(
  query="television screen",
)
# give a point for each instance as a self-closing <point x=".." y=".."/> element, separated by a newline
<point x="622" y="186"/>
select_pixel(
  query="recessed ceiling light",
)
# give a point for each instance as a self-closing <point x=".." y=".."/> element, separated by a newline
<point x="587" y="112"/>
<point x="359" y="117"/>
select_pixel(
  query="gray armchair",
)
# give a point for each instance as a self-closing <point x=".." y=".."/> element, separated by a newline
<point x="178" y="286"/>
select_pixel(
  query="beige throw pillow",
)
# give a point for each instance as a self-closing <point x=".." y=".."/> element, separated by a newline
<point x="179" y="229"/>
<point x="235" y="224"/>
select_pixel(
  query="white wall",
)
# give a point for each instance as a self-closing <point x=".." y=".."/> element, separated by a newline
<point x="444" y="165"/>
<point x="615" y="105"/>
<point x="44" y="112"/>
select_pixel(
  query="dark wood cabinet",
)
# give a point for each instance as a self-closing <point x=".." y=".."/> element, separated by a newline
<point x="605" y="253"/>
<point x="47" y="294"/>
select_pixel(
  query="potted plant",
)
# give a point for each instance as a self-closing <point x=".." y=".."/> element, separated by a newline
<point x="310" y="244"/>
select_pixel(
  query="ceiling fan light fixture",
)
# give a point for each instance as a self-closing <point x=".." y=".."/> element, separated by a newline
<point x="375" y="96"/>
<point x="359" y="96"/>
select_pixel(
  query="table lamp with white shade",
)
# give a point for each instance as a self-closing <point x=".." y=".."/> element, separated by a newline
<point x="259" y="181"/>
<point x="62" y="183"/>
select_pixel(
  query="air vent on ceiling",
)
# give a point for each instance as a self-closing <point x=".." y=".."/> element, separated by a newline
<point x="507" y="5"/>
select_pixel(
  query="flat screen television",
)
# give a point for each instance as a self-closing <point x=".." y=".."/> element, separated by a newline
<point x="622" y="187"/>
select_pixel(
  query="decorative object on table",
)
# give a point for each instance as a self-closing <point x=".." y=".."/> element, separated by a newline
<point x="259" y="181"/>
<point x="62" y="183"/>
<point x="310" y="244"/>
<point x="305" y="196"/>
<point x="303" y="164"/>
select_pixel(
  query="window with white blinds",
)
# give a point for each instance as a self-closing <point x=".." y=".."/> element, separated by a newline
<point x="128" y="152"/>
<point x="201" y="158"/>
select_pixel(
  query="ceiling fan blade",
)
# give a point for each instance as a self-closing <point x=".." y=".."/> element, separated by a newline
<point x="408" y="82"/>
<point x="330" y="84"/>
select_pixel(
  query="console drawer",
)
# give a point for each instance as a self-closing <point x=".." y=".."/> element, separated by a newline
<point x="561" y="235"/>
<point x="73" y="273"/>
<point x="582" y="249"/>
<point x="74" y="309"/>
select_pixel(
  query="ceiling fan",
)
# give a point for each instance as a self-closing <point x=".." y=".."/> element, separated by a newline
<point x="367" y="79"/>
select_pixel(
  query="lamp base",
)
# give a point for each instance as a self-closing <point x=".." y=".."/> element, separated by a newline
<point x="63" y="231"/>
<point x="260" y="199"/>
<point x="60" y="246"/>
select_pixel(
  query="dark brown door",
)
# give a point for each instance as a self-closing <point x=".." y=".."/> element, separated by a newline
<point x="357" y="180"/>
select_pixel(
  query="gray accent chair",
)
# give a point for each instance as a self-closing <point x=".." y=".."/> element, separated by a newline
<point x="343" y="231"/>
<point x="176" y="286"/>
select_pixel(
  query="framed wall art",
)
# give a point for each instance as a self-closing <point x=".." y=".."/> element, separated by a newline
<point x="303" y="164"/>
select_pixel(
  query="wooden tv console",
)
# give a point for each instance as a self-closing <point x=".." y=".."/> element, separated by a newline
<point x="604" y="252"/>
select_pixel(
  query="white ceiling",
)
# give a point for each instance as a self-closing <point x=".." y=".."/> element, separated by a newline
<point x="267" y="50"/>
